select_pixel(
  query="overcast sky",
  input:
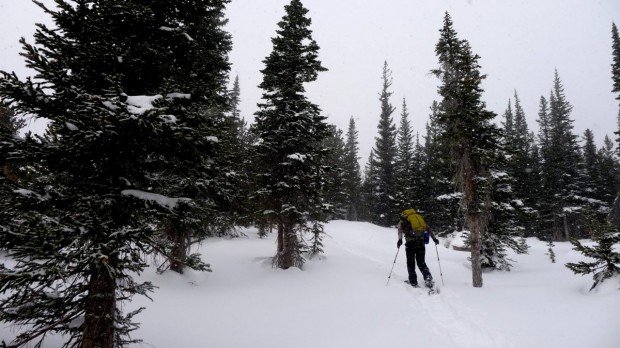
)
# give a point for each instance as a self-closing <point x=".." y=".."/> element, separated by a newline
<point x="521" y="42"/>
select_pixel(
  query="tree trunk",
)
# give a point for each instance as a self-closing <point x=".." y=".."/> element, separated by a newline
<point x="287" y="245"/>
<point x="475" y="236"/>
<point x="100" y="311"/>
<point x="177" y="235"/>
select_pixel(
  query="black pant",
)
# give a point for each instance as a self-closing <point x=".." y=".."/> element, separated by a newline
<point x="415" y="252"/>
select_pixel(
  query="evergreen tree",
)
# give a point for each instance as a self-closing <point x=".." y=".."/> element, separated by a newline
<point x="351" y="173"/>
<point x="545" y="196"/>
<point x="606" y="256"/>
<point x="615" y="66"/>
<point x="109" y="80"/>
<point x="563" y="165"/>
<point x="468" y="129"/>
<point x="505" y="228"/>
<point x="406" y="178"/>
<point x="335" y="194"/>
<point x="517" y="144"/>
<point x="607" y="168"/>
<point x="384" y="206"/>
<point x="369" y="187"/>
<point x="440" y="201"/>
<point x="291" y="133"/>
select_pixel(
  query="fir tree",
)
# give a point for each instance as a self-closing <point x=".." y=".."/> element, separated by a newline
<point x="109" y="80"/>
<point x="352" y="173"/>
<point x="384" y="202"/>
<point x="473" y="138"/>
<point x="291" y="133"/>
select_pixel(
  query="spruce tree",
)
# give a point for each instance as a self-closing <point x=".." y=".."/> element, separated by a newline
<point x="384" y="206"/>
<point x="113" y="77"/>
<point x="351" y="172"/>
<point x="291" y="131"/>
<point x="468" y="129"/>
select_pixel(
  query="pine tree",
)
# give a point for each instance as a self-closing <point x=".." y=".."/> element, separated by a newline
<point x="352" y="173"/>
<point x="291" y="133"/>
<point x="606" y="256"/>
<point x="112" y="78"/>
<point x="384" y="202"/>
<point x="469" y="130"/>
<point x="406" y="177"/>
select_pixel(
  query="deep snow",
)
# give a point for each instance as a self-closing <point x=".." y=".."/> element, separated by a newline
<point x="341" y="300"/>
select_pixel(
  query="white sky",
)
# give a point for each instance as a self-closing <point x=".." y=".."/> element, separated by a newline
<point x="520" y="42"/>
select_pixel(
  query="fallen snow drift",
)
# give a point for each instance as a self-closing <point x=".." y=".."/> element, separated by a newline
<point x="342" y="300"/>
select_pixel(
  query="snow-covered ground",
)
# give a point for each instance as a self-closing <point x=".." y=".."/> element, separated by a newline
<point x="342" y="299"/>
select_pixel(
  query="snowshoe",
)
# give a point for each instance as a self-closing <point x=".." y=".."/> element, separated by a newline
<point x="415" y="285"/>
<point x="430" y="285"/>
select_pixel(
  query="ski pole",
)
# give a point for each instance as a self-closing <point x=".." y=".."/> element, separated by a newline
<point x="390" y="276"/>
<point x="439" y="262"/>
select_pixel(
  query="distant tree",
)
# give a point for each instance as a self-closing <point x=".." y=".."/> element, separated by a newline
<point x="615" y="66"/>
<point x="439" y="199"/>
<point x="291" y="133"/>
<point x="384" y="200"/>
<point x="406" y="176"/>
<point x="335" y="195"/>
<point x="369" y="187"/>
<point x="469" y="131"/>
<point x="352" y="172"/>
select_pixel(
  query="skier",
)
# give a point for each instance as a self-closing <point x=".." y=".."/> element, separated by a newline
<point x="416" y="232"/>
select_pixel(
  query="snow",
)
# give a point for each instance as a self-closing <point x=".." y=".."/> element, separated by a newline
<point x="341" y="299"/>
<point x="178" y="95"/>
<point x="297" y="157"/>
<point x="139" y="104"/>
<point x="162" y="200"/>
<point x="71" y="126"/>
<point x="213" y="139"/>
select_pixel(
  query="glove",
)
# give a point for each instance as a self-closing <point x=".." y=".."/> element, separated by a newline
<point x="436" y="241"/>
<point x="399" y="243"/>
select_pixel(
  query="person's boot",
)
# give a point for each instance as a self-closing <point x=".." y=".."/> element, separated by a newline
<point x="413" y="284"/>
<point x="429" y="282"/>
